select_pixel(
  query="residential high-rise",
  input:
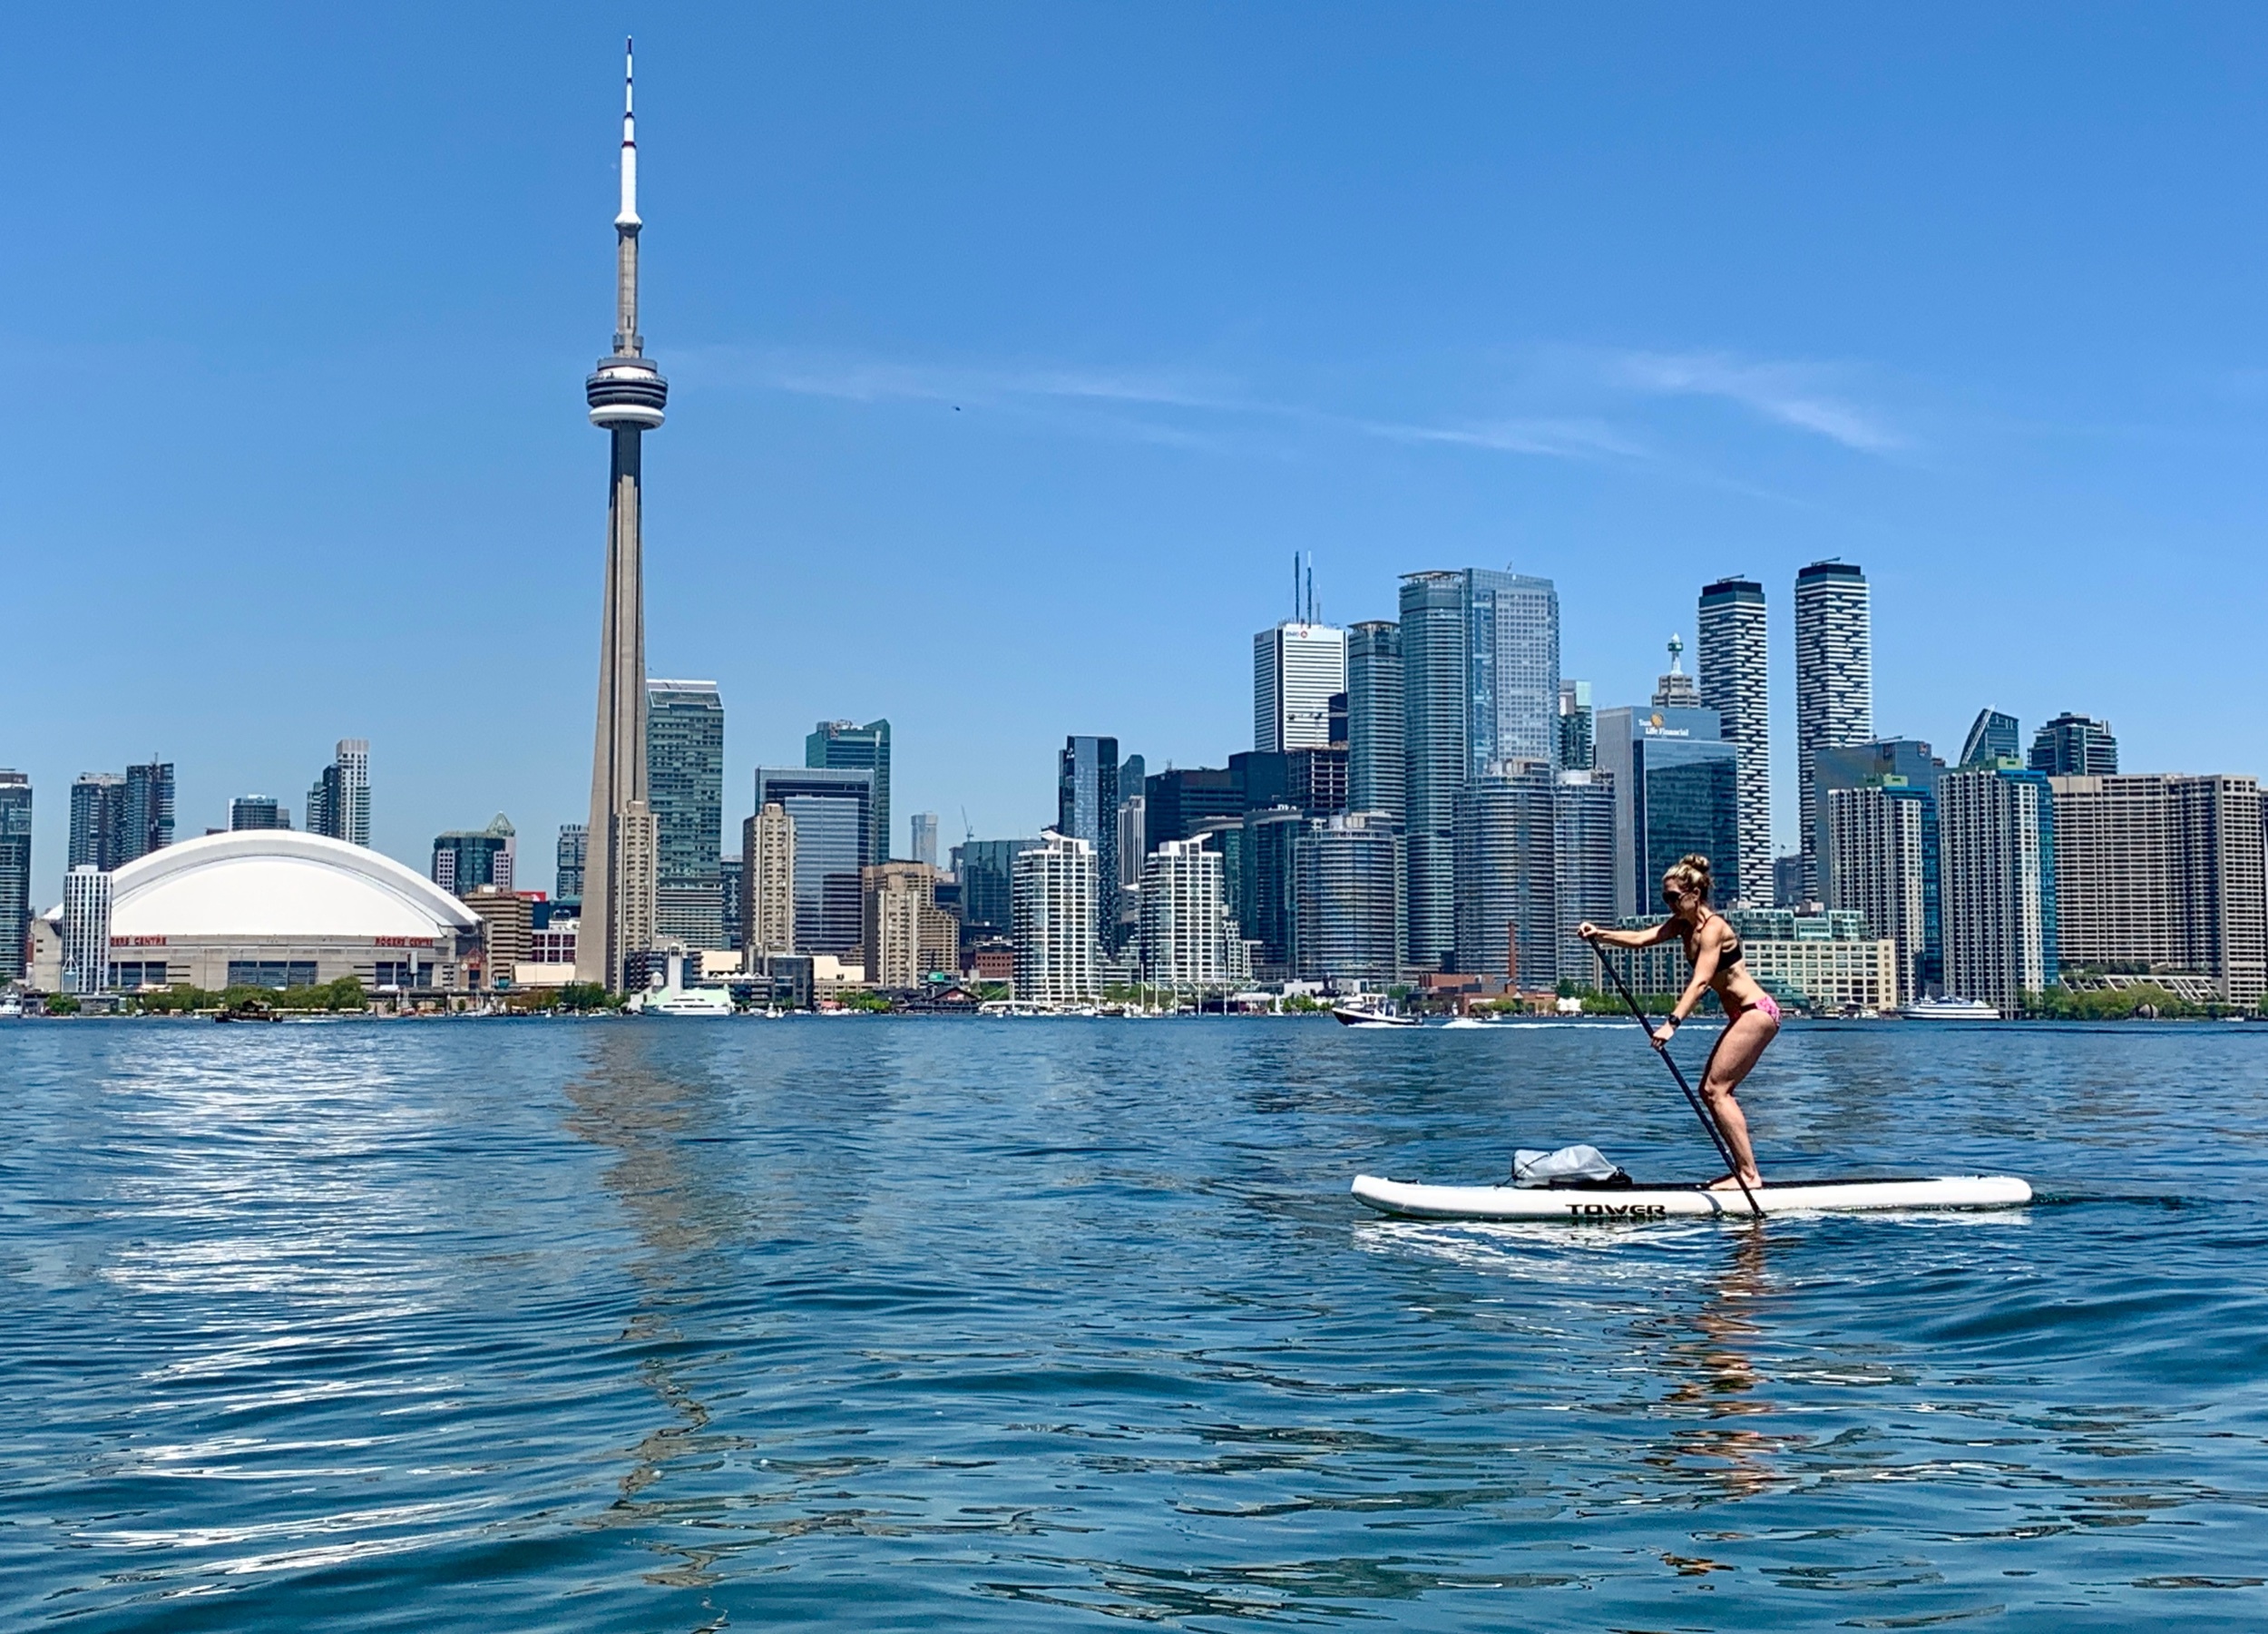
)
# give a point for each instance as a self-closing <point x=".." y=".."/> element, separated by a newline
<point x="767" y="883"/>
<point x="986" y="869"/>
<point x="1883" y="762"/>
<point x="1583" y="856"/>
<point x="1675" y="793"/>
<point x="1350" y="912"/>
<point x="842" y="746"/>
<point x="16" y="872"/>
<point x="833" y="813"/>
<point x="1297" y="669"/>
<point x="627" y="395"/>
<point x="86" y="928"/>
<point x="148" y="822"/>
<point x="1481" y="683"/>
<point x="1190" y="941"/>
<point x="1576" y="729"/>
<point x="1993" y="739"/>
<point x="924" y="826"/>
<point x="2073" y="746"/>
<point x="98" y="821"/>
<point x="2163" y="873"/>
<point x="257" y="811"/>
<point x="1055" y="890"/>
<point x="1507" y="874"/>
<point x="1997" y="850"/>
<point x="1087" y="808"/>
<point x="1266" y="906"/>
<point x="464" y="859"/>
<point x="907" y="936"/>
<point x="1834" y="682"/>
<point x="568" y="860"/>
<point x="685" y="792"/>
<point x="338" y="803"/>
<point x="1734" y="682"/>
<point x="1884" y="851"/>
<point x="1133" y="837"/>
<point x="1374" y="775"/>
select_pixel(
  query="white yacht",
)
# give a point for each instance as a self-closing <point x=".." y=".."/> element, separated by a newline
<point x="671" y="996"/>
<point x="1949" y="1009"/>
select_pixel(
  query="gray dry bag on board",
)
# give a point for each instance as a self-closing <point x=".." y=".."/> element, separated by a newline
<point x="1568" y="1166"/>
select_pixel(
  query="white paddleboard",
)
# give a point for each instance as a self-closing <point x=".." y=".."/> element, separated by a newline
<point x="1593" y="1205"/>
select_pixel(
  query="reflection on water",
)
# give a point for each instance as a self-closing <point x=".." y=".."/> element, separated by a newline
<point x="674" y="1326"/>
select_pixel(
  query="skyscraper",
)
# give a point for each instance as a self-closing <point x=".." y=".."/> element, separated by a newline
<point x="1055" y="890"/>
<point x="1297" y="669"/>
<point x="2073" y="746"/>
<point x="907" y="936"/>
<point x="924" y="835"/>
<point x="986" y="869"/>
<point x="463" y="859"/>
<point x="1996" y="842"/>
<point x="627" y="393"/>
<point x="338" y="802"/>
<point x="16" y="872"/>
<point x="767" y="906"/>
<point x="1577" y="726"/>
<point x="1675" y="784"/>
<point x="1265" y="903"/>
<point x="1481" y="683"/>
<point x="1349" y="919"/>
<point x="1087" y="808"/>
<point x="1507" y="874"/>
<point x="1674" y="688"/>
<point x="1189" y="941"/>
<point x="568" y="860"/>
<point x="832" y="811"/>
<point x="1373" y="718"/>
<point x="98" y="817"/>
<point x="147" y="824"/>
<point x="86" y="928"/>
<point x="1885" y="855"/>
<point x="1992" y="737"/>
<point x="1834" y="682"/>
<point x="844" y="746"/>
<point x="1583" y="856"/>
<point x="1735" y="683"/>
<point x="685" y="790"/>
<point x="257" y="811"/>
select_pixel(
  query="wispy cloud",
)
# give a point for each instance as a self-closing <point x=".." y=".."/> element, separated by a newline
<point x="1791" y="394"/>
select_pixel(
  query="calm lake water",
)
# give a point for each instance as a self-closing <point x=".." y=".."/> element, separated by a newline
<point x="967" y="1324"/>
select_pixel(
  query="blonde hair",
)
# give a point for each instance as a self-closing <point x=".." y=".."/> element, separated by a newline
<point x="1692" y="874"/>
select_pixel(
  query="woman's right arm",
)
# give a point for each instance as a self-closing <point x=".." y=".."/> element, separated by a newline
<point x="1644" y="938"/>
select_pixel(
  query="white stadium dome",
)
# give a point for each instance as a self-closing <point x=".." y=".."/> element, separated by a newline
<point x="278" y="882"/>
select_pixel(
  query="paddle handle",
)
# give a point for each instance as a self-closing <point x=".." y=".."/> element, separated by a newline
<point x="1700" y="1108"/>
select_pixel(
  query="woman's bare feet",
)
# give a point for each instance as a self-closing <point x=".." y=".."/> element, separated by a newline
<point x="1725" y="1182"/>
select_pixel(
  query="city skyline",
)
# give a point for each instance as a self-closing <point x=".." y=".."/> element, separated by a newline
<point x="1721" y="395"/>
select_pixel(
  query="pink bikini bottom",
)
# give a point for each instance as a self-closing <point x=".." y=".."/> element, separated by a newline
<point x="1765" y="1004"/>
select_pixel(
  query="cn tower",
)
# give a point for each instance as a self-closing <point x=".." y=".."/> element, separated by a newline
<point x="627" y="393"/>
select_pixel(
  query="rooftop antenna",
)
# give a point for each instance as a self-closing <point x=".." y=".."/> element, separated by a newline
<point x="1294" y="587"/>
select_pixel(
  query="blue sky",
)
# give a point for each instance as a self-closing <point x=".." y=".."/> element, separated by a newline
<point x="1015" y="349"/>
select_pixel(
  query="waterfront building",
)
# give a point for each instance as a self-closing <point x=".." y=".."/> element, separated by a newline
<point x="1087" y="808"/>
<point x="267" y="908"/>
<point x="98" y="817"/>
<point x="463" y="859"/>
<point x="1189" y="941"/>
<point x="86" y="929"/>
<point x="1266" y="906"/>
<point x="1350" y="923"/>
<point x="731" y="890"/>
<point x="1834" y="684"/>
<point x="1296" y="668"/>
<point x="1576" y="744"/>
<point x="2074" y="746"/>
<point x="907" y="936"/>
<point x="923" y="827"/>
<point x="685" y="792"/>
<point x="1507" y="874"/>
<point x="1481" y="683"/>
<point x="1583" y="858"/>
<point x="1675" y="788"/>
<point x="257" y="811"/>
<point x="507" y="934"/>
<point x="568" y="860"/>
<point x="768" y="885"/>
<point x="1993" y="739"/>
<point x="1997" y="870"/>
<point x="1373" y="716"/>
<point x="2163" y="873"/>
<point x="1675" y="690"/>
<point x="1876" y="851"/>
<point x="841" y="745"/>
<point x="338" y="804"/>
<point x="626" y="395"/>
<point x="553" y="944"/>
<point x="1735" y="683"/>
<point x="1823" y="961"/>
<point x="16" y="872"/>
<point x="148" y="824"/>
<point x="832" y="811"/>
<point x="986" y="869"/>
<point x="1057" y="954"/>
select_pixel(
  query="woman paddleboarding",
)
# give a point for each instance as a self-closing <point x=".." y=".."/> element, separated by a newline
<point x="1751" y="1019"/>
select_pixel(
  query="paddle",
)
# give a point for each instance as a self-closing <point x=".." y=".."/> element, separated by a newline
<point x="1716" y="1136"/>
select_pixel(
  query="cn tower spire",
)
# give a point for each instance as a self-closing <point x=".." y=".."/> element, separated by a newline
<point x="627" y="222"/>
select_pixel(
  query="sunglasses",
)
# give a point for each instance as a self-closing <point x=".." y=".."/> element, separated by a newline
<point x="1673" y="896"/>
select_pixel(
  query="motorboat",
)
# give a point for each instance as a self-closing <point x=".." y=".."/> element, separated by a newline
<point x="1372" y="1015"/>
<point x="1949" y="1009"/>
